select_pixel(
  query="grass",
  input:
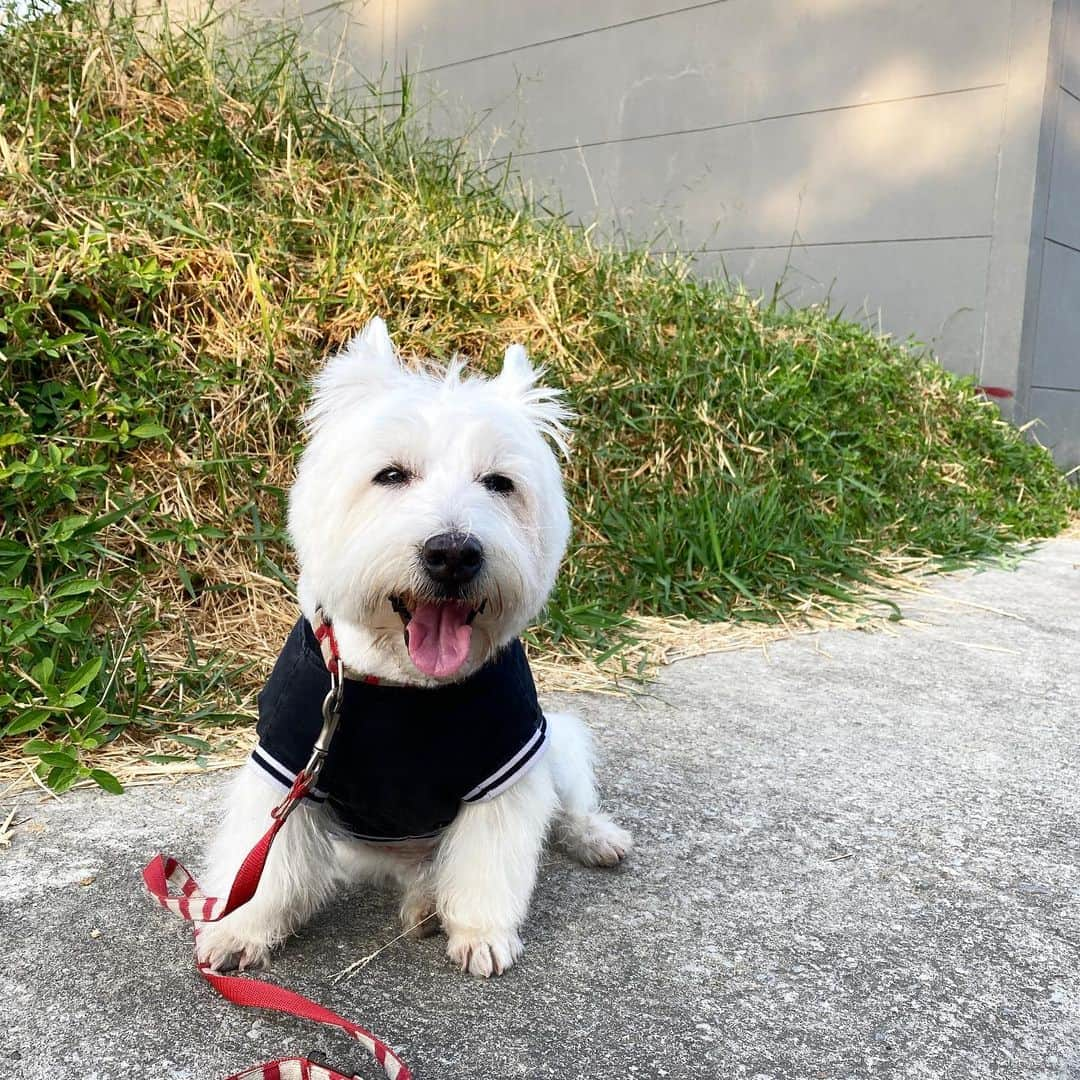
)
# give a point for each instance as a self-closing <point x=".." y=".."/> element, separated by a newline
<point x="186" y="230"/>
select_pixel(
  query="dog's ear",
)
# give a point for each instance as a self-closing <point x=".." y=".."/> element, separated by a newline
<point x="369" y="360"/>
<point x="367" y="365"/>
<point x="373" y="349"/>
<point x="542" y="405"/>
<point x="517" y="375"/>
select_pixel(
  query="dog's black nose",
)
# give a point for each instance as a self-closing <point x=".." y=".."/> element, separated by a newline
<point x="452" y="558"/>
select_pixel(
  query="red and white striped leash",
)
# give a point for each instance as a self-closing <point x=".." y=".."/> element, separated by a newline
<point x="177" y="891"/>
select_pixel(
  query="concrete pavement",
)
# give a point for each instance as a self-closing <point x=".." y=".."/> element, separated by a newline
<point x="858" y="856"/>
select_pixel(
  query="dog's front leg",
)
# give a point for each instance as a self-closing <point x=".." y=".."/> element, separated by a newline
<point x="298" y="878"/>
<point x="485" y="869"/>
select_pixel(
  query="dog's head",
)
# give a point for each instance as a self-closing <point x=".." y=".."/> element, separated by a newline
<point x="428" y="507"/>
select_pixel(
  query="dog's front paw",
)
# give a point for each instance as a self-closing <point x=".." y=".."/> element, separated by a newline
<point x="483" y="954"/>
<point x="221" y="948"/>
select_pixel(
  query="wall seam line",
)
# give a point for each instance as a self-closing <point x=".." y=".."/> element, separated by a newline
<point x="570" y="37"/>
<point x="825" y="243"/>
<point x="756" y="120"/>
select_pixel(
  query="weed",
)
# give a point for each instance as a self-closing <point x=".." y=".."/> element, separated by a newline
<point x="186" y="229"/>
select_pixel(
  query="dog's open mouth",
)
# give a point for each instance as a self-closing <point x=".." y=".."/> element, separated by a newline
<point x="437" y="633"/>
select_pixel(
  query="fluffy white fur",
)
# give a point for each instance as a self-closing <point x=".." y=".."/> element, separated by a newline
<point x="357" y="544"/>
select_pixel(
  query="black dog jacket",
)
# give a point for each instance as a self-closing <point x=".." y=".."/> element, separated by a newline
<point x="404" y="758"/>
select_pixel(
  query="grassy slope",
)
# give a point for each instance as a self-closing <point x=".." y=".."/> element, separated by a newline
<point x="181" y="240"/>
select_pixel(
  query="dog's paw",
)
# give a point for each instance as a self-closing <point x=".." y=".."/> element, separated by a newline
<point x="482" y="954"/>
<point x="595" y="840"/>
<point x="220" y="948"/>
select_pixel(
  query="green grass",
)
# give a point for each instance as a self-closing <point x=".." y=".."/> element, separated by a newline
<point x="185" y="231"/>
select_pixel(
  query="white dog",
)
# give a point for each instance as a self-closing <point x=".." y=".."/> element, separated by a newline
<point x="429" y="520"/>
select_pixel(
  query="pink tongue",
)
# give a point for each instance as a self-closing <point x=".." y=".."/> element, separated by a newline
<point x="439" y="637"/>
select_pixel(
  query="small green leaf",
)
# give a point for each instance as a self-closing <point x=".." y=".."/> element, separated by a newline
<point x="28" y="720"/>
<point x="192" y="741"/>
<point x="42" y="671"/>
<point x="61" y="759"/>
<point x="61" y="779"/>
<point x="84" y="675"/>
<point x="149" y="431"/>
<point x="94" y="720"/>
<point x="75" y="587"/>
<point x="66" y="527"/>
<point x="66" y="608"/>
<point x="24" y="631"/>
<point x="185" y="579"/>
<point x="106" y="781"/>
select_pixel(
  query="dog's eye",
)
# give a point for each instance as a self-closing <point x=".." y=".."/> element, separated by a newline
<point x="497" y="483"/>
<point x="391" y="476"/>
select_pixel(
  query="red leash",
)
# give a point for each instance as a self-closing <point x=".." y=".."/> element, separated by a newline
<point x="177" y="891"/>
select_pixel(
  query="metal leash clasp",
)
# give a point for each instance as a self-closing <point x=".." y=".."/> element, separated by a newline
<point x="331" y="714"/>
<point x="308" y="777"/>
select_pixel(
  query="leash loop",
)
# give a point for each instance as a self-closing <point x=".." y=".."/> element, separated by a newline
<point x="173" y="887"/>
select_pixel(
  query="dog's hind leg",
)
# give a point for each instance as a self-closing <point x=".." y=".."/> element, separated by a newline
<point x="298" y="879"/>
<point x="581" y="829"/>
<point x="418" y="907"/>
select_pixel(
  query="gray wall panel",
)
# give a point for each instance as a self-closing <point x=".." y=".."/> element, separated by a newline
<point x="911" y="169"/>
<point x="1012" y="284"/>
<point x="932" y="289"/>
<point x="1070" y="73"/>
<point x="1063" y="212"/>
<point x="1059" y="429"/>
<point x="681" y="71"/>
<point x="1057" y="338"/>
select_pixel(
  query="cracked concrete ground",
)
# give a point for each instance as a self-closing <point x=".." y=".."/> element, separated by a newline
<point x="857" y="857"/>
